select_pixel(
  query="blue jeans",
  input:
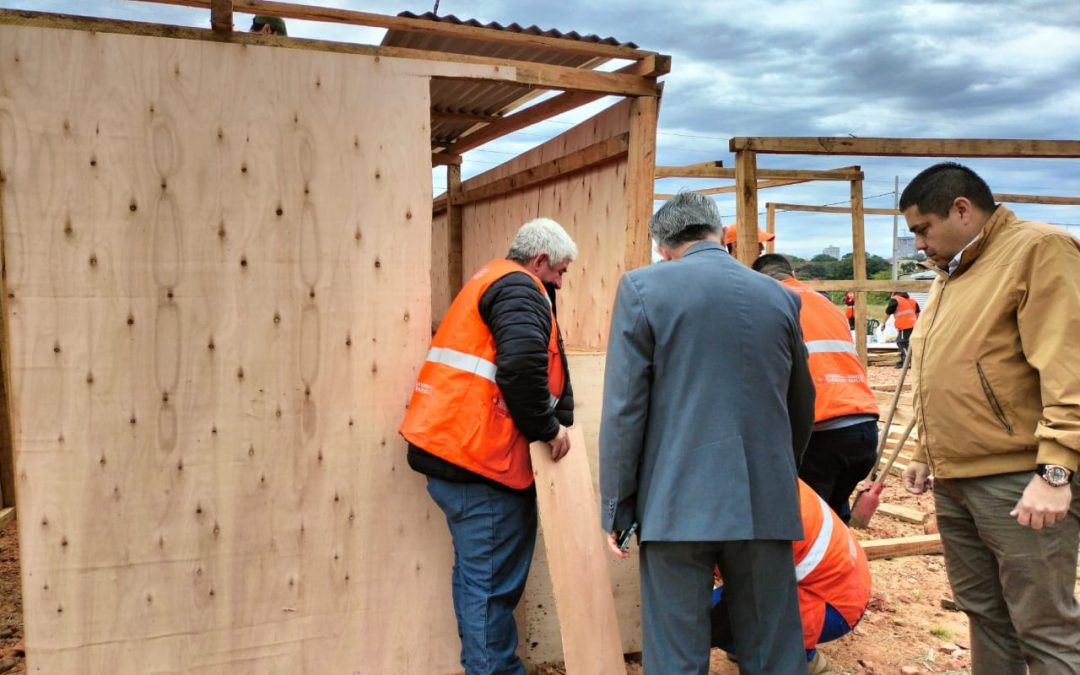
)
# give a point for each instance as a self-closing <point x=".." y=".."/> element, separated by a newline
<point x="835" y="625"/>
<point x="494" y="533"/>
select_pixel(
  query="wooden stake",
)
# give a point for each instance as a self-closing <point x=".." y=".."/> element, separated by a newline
<point x="894" y="548"/>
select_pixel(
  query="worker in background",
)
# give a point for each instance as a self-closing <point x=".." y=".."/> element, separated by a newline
<point x="731" y="237"/>
<point x="832" y="576"/>
<point x="843" y="445"/>
<point x="849" y="309"/>
<point x="268" y="25"/>
<point x="904" y="310"/>
<point x="494" y="380"/>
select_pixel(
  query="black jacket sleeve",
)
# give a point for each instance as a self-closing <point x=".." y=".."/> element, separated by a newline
<point x="891" y="307"/>
<point x="519" y="318"/>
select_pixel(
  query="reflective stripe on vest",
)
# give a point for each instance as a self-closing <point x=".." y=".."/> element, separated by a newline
<point x="820" y="546"/>
<point x="831" y="347"/>
<point x="467" y="362"/>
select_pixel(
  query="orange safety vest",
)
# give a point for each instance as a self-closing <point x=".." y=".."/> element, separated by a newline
<point x="457" y="411"/>
<point x="905" y="314"/>
<point x="840" y="386"/>
<point x="830" y="567"/>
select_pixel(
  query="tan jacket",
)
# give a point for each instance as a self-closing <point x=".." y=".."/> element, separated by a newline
<point x="996" y="354"/>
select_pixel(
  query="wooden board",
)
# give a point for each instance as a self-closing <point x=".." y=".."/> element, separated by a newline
<point x="921" y="544"/>
<point x="904" y="513"/>
<point x="217" y="298"/>
<point x="6" y="516"/>
<point x="591" y="205"/>
<point x="576" y="551"/>
<point x="541" y="642"/>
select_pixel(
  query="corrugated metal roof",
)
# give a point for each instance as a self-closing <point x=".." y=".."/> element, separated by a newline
<point x="479" y="97"/>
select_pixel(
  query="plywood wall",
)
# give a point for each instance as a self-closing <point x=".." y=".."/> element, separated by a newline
<point x="591" y="205"/>
<point x="217" y="298"/>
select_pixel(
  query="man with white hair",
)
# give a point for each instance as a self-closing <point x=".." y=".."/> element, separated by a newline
<point x="708" y="406"/>
<point x="494" y="380"/>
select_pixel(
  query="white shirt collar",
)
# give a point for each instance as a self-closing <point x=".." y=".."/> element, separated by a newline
<point x="955" y="262"/>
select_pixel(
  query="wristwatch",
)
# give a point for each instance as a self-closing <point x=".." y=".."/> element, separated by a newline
<point x="1054" y="474"/>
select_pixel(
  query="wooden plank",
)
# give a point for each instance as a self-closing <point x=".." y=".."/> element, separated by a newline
<point x="219" y="300"/>
<point x="858" y="261"/>
<point x="7" y="514"/>
<point x="922" y="544"/>
<point x="699" y="171"/>
<point x="425" y="26"/>
<point x="451" y="115"/>
<point x="832" y="209"/>
<point x="455" y="275"/>
<point x="906" y="147"/>
<point x="770" y="227"/>
<point x="221" y="16"/>
<point x="7" y="441"/>
<point x="443" y="159"/>
<point x="917" y="285"/>
<point x="904" y="513"/>
<point x="579" y="160"/>
<point x="1036" y="199"/>
<point x="727" y="189"/>
<point x="640" y="165"/>
<point x="576" y="555"/>
<point x="746" y="206"/>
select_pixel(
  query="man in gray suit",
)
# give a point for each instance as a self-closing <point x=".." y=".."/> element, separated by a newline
<point x="708" y="405"/>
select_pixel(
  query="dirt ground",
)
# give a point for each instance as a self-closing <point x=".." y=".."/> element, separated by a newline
<point x="11" y="625"/>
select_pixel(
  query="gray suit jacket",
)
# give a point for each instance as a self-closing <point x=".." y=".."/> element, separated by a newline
<point x="708" y="403"/>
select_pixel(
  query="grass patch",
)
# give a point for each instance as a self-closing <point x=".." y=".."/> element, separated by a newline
<point x="941" y="632"/>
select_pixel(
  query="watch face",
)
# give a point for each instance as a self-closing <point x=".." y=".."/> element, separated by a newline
<point x="1056" y="475"/>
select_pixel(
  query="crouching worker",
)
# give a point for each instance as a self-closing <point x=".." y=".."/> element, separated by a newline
<point x="833" y="578"/>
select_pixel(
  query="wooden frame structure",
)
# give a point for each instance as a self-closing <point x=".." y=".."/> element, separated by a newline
<point x="336" y="448"/>
<point x="747" y="149"/>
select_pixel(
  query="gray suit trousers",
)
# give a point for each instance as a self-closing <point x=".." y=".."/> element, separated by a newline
<point x="676" y="588"/>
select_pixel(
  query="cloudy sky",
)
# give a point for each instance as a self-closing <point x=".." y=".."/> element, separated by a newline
<point x="976" y="69"/>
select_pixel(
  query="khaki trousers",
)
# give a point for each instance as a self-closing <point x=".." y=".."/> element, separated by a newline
<point x="1015" y="584"/>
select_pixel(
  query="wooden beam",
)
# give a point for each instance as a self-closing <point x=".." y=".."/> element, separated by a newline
<point x="846" y="173"/>
<point x="444" y="159"/>
<point x="904" y="513"/>
<point x="832" y="209"/>
<point x="906" y="147"/>
<point x="7" y="514"/>
<point x="894" y="548"/>
<point x="770" y="225"/>
<point x="454" y="230"/>
<point x="221" y="16"/>
<point x="640" y="165"/>
<point x="746" y="207"/>
<point x="424" y="26"/>
<point x="1036" y="199"/>
<point x="579" y="160"/>
<point x="727" y="189"/>
<point x="858" y="262"/>
<point x="881" y="285"/>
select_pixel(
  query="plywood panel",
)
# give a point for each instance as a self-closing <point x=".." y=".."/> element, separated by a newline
<point x="589" y="204"/>
<point x="542" y="642"/>
<point x="217" y="298"/>
<point x="575" y="553"/>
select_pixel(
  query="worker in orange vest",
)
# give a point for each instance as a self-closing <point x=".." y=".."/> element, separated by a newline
<point x="904" y="310"/>
<point x="731" y="236"/>
<point x="495" y="379"/>
<point x="849" y="309"/>
<point x="832" y="576"/>
<point x="843" y="445"/>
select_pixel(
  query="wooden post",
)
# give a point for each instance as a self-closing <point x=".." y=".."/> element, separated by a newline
<point x="770" y="226"/>
<point x="858" y="262"/>
<point x="746" y="205"/>
<point x="640" y="166"/>
<point x="455" y="244"/>
<point x="221" y="16"/>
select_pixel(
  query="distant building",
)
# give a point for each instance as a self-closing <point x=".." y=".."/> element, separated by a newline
<point x="905" y="247"/>
<point x="833" y="251"/>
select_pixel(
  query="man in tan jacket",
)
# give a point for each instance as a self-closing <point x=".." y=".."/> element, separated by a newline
<point x="997" y="395"/>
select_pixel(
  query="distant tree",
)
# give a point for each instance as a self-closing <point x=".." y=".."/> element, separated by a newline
<point x="823" y="257"/>
<point x="793" y="259"/>
<point x="908" y="267"/>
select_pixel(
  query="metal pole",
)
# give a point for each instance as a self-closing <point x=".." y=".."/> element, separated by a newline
<point x="895" y="219"/>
